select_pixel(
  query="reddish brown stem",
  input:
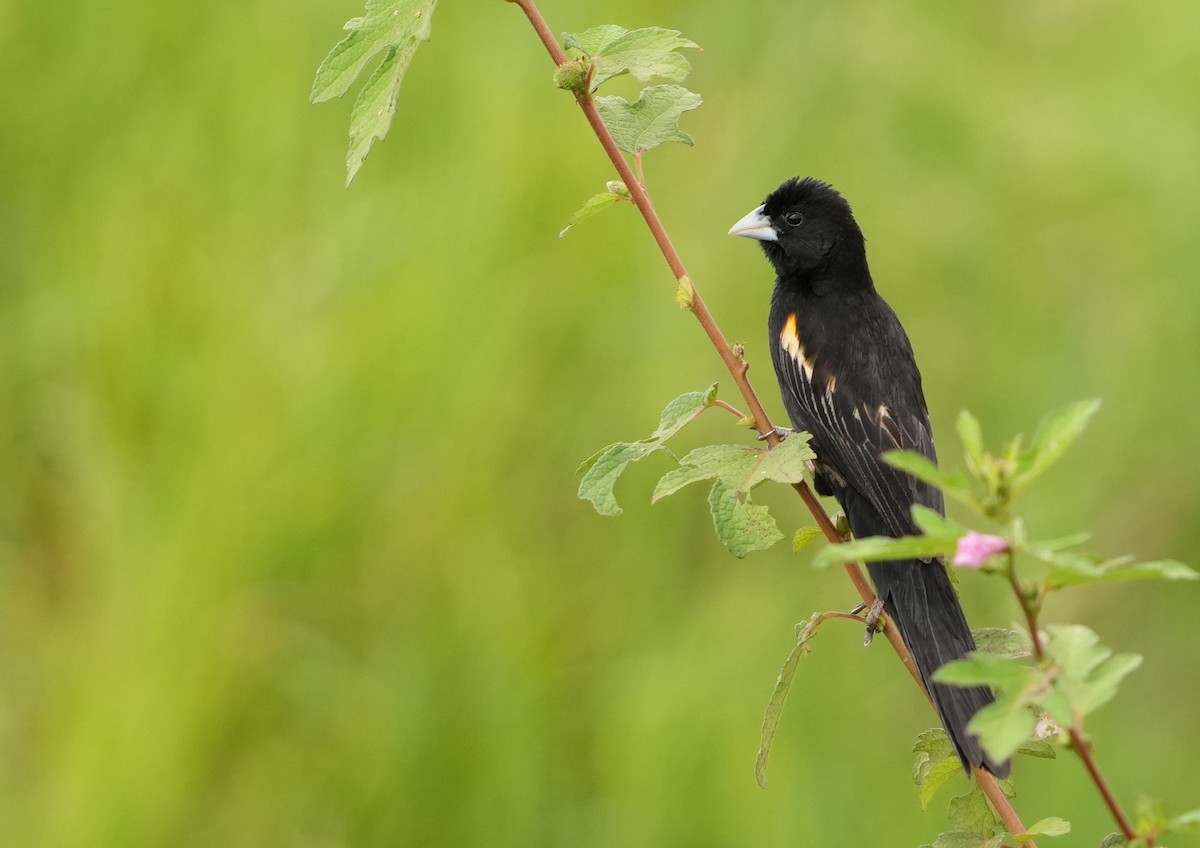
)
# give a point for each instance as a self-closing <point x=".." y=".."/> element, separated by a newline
<point x="737" y="368"/>
<point x="1084" y="750"/>
<point x="1081" y="746"/>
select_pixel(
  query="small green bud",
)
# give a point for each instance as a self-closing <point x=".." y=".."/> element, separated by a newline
<point x="685" y="294"/>
<point x="572" y="75"/>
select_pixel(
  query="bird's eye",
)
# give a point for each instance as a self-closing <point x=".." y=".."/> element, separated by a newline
<point x="793" y="219"/>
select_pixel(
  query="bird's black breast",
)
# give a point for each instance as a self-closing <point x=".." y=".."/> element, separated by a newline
<point x="847" y="375"/>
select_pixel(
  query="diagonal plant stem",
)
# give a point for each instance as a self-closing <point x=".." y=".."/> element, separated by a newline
<point x="1030" y="607"/>
<point x="737" y="368"/>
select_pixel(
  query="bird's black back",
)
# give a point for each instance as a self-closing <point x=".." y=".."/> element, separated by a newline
<point x="849" y="378"/>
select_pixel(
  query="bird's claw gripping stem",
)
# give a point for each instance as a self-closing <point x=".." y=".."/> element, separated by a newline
<point x="874" y="625"/>
<point x="781" y="432"/>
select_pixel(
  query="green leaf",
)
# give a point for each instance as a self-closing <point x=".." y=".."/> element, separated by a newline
<point x="685" y="296"/>
<point x="594" y="204"/>
<point x="1002" y="642"/>
<point x="783" y="685"/>
<point x="743" y="527"/>
<point x="1007" y="723"/>
<point x="1063" y="542"/>
<point x="933" y="523"/>
<point x="920" y="467"/>
<point x="1152" y="816"/>
<point x="1049" y="826"/>
<point x="393" y="28"/>
<point x="939" y="775"/>
<point x="1114" y="840"/>
<point x="605" y="469"/>
<point x="1088" y="672"/>
<point x="971" y="813"/>
<point x="936" y="763"/>
<point x="961" y="839"/>
<point x="980" y="669"/>
<point x="884" y="549"/>
<point x="804" y="537"/>
<point x="741" y="467"/>
<point x="371" y="117"/>
<point x="1051" y="440"/>
<point x="931" y="747"/>
<point x="1187" y="823"/>
<point x="971" y="436"/>
<point x="1077" y="569"/>
<point x="602" y="470"/>
<point x="645" y="53"/>
<point x="649" y="121"/>
<point x="1038" y="748"/>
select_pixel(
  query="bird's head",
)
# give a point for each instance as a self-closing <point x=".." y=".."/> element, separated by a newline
<point x="806" y="227"/>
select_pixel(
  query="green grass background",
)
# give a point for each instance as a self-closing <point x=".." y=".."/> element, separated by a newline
<point x="289" y="548"/>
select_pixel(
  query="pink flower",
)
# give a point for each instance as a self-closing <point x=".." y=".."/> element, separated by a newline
<point x="974" y="549"/>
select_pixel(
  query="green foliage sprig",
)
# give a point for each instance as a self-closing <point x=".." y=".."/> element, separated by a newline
<point x="1051" y="678"/>
<point x="1047" y="684"/>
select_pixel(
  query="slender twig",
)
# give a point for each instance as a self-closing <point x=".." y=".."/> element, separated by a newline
<point x="737" y="368"/>
<point x="1084" y="750"/>
<point x="731" y="408"/>
<point x="1030" y="608"/>
<point x="1027" y="607"/>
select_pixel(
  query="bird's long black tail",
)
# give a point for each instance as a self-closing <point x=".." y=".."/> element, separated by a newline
<point x="921" y="601"/>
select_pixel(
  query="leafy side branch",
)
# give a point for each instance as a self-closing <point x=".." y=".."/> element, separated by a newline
<point x="1046" y="683"/>
<point x="737" y="366"/>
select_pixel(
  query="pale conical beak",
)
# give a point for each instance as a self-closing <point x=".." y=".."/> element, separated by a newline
<point x="756" y="225"/>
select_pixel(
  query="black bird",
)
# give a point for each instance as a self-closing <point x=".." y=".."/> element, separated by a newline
<point x="848" y="377"/>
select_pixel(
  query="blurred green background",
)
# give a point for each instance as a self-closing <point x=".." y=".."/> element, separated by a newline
<point x="289" y="548"/>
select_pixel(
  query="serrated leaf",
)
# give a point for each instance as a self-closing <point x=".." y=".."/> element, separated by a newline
<point x="783" y="685"/>
<point x="939" y="775"/>
<point x="605" y="469"/>
<point x="1007" y="723"/>
<point x="1002" y="642"/>
<point x="649" y="121"/>
<point x="934" y="744"/>
<point x="740" y="467"/>
<point x="371" y="117"/>
<point x="1049" y="826"/>
<point x="961" y="839"/>
<point x="676" y="479"/>
<point x="682" y="411"/>
<point x="645" y="53"/>
<point x="393" y="28"/>
<point x="980" y="669"/>
<point x="884" y="549"/>
<point x="1054" y="435"/>
<point x="1088" y="672"/>
<point x="1003" y="726"/>
<point x="971" y="436"/>
<point x="742" y="526"/>
<point x="594" y="204"/>
<point x="804" y="537"/>
<point x="602" y="470"/>
<point x="971" y="813"/>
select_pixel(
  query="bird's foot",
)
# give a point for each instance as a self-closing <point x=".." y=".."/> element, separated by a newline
<point x="781" y="432"/>
<point x="874" y="625"/>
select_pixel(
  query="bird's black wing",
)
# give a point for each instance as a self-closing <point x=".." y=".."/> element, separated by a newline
<point x="854" y="417"/>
